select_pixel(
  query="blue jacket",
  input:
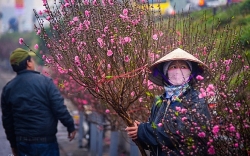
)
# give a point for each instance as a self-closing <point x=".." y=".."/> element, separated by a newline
<point x="154" y="137"/>
<point x="31" y="107"/>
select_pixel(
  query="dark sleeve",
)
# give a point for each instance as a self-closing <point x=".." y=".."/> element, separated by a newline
<point x="153" y="136"/>
<point x="8" y="121"/>
<point x="58" y="107"/>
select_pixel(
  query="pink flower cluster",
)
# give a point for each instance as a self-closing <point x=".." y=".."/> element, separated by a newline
<point x="209" y="92"/>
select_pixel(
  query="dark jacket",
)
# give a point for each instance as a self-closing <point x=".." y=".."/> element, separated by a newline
<point x="31" y="107"/>
<point x="153" y="137"/>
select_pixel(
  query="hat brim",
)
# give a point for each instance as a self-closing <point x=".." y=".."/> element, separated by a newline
<point x="156" y="75"/>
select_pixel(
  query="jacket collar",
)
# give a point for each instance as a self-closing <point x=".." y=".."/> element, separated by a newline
<point x="27" y="71"/>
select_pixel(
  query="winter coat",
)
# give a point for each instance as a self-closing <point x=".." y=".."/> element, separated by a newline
<point x="153" y="137"/>
<point x="31" y="107"/>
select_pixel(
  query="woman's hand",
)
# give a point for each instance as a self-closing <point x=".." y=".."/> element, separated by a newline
<point x="132" y="131"/>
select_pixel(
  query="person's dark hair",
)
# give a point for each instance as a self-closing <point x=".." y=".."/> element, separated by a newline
<point x="22" y="65"/>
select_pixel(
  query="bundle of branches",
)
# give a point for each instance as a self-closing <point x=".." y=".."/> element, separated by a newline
<point x="102" y="45"/>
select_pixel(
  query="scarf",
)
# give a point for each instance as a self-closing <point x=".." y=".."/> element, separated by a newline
<point x="174" y="92"/>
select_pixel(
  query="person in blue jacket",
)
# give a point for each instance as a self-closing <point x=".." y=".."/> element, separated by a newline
<point x="176" y="73"/>
<point x="31" y="107"/>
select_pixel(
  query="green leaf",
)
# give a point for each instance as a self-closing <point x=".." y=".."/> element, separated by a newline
<point x="203" y="127"/>
<point x="176" y="114"/>
<point x="153" y="125"/>
<point x="108" y="77"/>
<point x="149" y="94"/>
<point x="178" y="99"/>
<point x="158" y="101"/>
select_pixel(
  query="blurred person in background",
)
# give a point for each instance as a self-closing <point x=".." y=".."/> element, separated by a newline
<point x="31" y="107"/>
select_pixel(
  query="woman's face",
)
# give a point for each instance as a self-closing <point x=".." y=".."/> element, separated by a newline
<point x="178" y="64"/>
<point x="178" y="72"/>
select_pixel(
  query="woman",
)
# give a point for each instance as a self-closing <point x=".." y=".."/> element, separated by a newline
<point x="171" y="113"/>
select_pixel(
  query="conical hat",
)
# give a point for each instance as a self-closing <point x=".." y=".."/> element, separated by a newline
<point x="177" y="54"/>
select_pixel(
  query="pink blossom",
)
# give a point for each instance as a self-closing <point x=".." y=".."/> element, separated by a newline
<point x="201" y="134"/>
<point x="246" y="67"/>
<point x="40" y="12"/>
<point x="111" y="2"/>
<point x="237" y="135"/>
<point x="73" y="40"/>
<point x="66" y="4"/>
<point x="178" y="108"/>
<point x="38" y="32"/>
<point x="211" y="65"/>
<point x="150" y="85"/>
<point x="232" y="128"/>
<point x="184" y="118"/>
<point x="44" y="2"/>
<point x="43" y="57"/>
<point x="211" y="93"/>
<point x="155" y="37"/>
<point x="86" y="2"/>
<point x="132" y="93"/>
<point x="100" y="41"/>
<point x="109" y="53"/>
<point x="106" y="29"/>
<point x="216" y="129"/>
<point x="183" y="110"/>
<point x="237" y="104"/>
<point x="205" y="51"/>
<point x="20" y="40"/>
<point x="202" y="90"/>
<point x="125" y="12"/>
<point x="80" y="70"/>
<point x="215" y="64"/>
<point x="87" y="13"/>
<point x="211" y="150"/>
<point x="127" y="58"/>
<point x="107" y="111"/>
<point x="199" y="77"/>
<point x="227" y="68"/>
<point x="140" y="99"/>
<point x="228" y="62"/>
<point x="127" y="39"/>
<point x="210" y="87"/>
<point x="48" y="18"/>
<point x="94" y="2"/>
<point x="123" y="17"/>
<point x="202" y="95"/>
<point x="222" y="77"/>
<point x="236" y="145"/>
<point x="159" y="124"/>
<point x="36" y="46"/>
<point x="77" y="61"/>
<point x="87" y="24"/>
<point x="109" y="66"/>
<point x="75" y="19"/>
